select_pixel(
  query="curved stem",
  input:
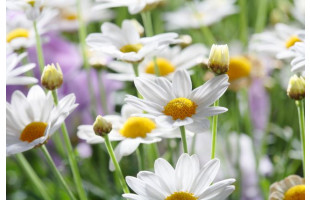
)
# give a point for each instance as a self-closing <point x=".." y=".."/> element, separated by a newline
<point x="56" y="172"/>
<point x="214" y="131"/>
<point x="184" y="142"/>
<point x="301" y="117"/>
<point x="116" y="165"/>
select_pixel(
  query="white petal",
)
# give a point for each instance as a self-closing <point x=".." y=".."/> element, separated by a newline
<point x="181" y="83"/>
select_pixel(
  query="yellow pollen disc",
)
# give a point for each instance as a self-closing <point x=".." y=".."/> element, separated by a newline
<point x="33" y="131"/>
<point x="137" y="127"/>
<point x="19" y="32"/>
<point x="181" y="196"/>
<point x="291" y="41"/>
<point x="239" y="67"/>
<point x="164" y="66"/>
<point x="180" y="108"/>
<point x="70" y="16"/>
<point x="295" y="193"/>
<point x="131" y="48"/>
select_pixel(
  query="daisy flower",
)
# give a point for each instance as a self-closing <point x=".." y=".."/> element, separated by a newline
<point x="298" y="62"/>
<point x="134" y="6"/>
<point x="32" y="8"/>
<point x="130" y="130"/>
<point x="188" y="181"/>
<point x="204" y="13"/>
<point x="175" y="104"/>
<point x="20" y="32"/>
<point x="278" y="41"/>
<point x="291" y="188"/>
<point x="32" y="120"/>
<point x="168" y="61"/>
<point x="125" y="43"/>
<point x="13" y="72"/>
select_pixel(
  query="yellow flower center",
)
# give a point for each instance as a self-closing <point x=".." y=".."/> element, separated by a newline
<point x="33" y="131"/>
<point x="131" y="48"/>
<point x="19" y="32"/>
<point x="180" y="108"/>
<point x="70" y="16"/>
<point x="291" y="41"/>
<point x="239" y="67"/>
<point x="295" y="193"/>
<point x="181" y="196"/>
<point x="137" y="127"/>
<point x="31" y="2"/>
<point x="165" y="67"/>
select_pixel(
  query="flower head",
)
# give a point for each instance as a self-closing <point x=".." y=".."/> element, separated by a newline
<point x="31" y="120"/>
<point x="32" y="8"/>
<point x="52" y="77"/>
<point x="188" y="181"/>
<point x="296" y="87"/>
<point x="175" y="104"/>
<point x="219" y="59"/>
<point x="101" y="126"/>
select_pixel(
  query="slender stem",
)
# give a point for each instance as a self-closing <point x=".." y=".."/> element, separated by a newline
<point x="116" y="165"/>
<point x="147" y="22"/>
<point x="39" y="47"/>
<point x="33" y="176"/>
<point x="301" y="117"/>
<point x="193" y="144"/>
<point x="140" y="156"/>
<point x="214" y="130"/>
<point x="102" y="93"/>
<point x="243" y="22"/>
<point x="184" y="142"/>
<point x="209" y="38"/>
<point x="82" y="33"/>
<point x="55" y="170"/>
<point x="261" y="15"/>
<point x="135" y="69"/>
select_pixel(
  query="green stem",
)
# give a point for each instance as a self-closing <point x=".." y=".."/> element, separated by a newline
<point x="193" y="144"/>
<point x="261" y="15"/>
<point x="140" y="156"/>
<point x="147" y="22"/>
<point x="214" y="130"/>
<point x="102" y="93"/>
<point x="55" y="170"/>
<point x="33" y="176"/>
<point x="209" y="38"/>
<point x="243" y="22"/>
<point x="116" y="165"/>
<point x="301" y="117"/>
<point x="82" y="33"/>
<point x="184" y="142"/>
<point x="39" y="47"/>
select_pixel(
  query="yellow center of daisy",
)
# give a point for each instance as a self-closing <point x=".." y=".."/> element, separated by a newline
<point x="291" y="41"/>
<point x="131" y="48"/>
<point x="165" y="67"/>
<point x="180" y="108"/>
<point x="16" y="33"/>
<point x="181" y="196"/>
<point x="70" y="16"/>
<point x="33" y="131"/>
<point x="137" y="127"/>
<point x="239" y="67"/>
<point x="295" y="193"/>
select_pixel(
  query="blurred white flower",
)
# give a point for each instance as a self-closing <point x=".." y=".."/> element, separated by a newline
<point x="298" y="10"/>
<point x="204" y="13"/>
<point x="32" y="8"/>
<point x="13" y="73"/>
<point x="298" y="62"/>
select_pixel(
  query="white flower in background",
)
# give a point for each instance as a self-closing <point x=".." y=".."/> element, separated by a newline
<point x="32" y="120"/>
<point x="204" y="13"/>
<point x="134" y="6"/>
<point x="13" y="72"/>
<point x="188" y="181"/>
<point x="67" y="20"/>
<point x="278" y="41"/>
<point x="20" y="32"/>
<point x="32" y="8"/>
<point x="298" y="10"/>
<point x="291" y="188"/>
<point x="125" y="43"/>
<point x="168" y="61"/>
<point x="175" y="104"/>
<point x="298" y="62"/>
<point x="130" y="130"/>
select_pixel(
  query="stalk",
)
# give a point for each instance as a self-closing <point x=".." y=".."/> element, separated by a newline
<point x="214" y="131"/>
<point x="301" y="118"/>
<point x="184" y="142"/>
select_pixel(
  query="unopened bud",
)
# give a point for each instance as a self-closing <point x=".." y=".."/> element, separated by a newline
<point x="101" y="126"/>
<point x="296" y="88"/>
<point x="52" y="77"/>
<point x="219" y="59"/>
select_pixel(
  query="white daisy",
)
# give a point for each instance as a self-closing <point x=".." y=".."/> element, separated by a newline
<point x="134" y="6"/>
<point x="130" y="130"/>
<point x="20" y="32"/>
<point x="298" y="10"/>
<point x="168" y="61"/>
<point x="31" y="120"/>
<point x="277" y="42"/>
<point x="13" y="72"/>
<point x="188" y="181"/>
<point x="291" y="188"/>
<point x="32" y="8"/>
<point x="175" y="104"/>
<point x="204" y="13"/>
<point x="298" y="62"/>
<point x="125" y="43"/>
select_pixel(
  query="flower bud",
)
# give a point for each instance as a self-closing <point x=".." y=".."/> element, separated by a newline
<point x="219" y="59"/>
<point x="296" y="88"/>
<point x="52" y="77"/>
<point x="101" y="126"/>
